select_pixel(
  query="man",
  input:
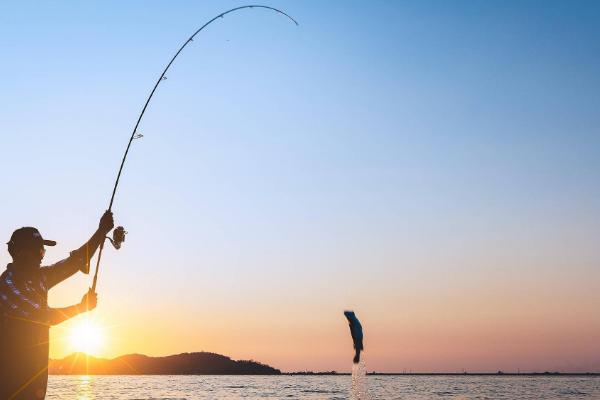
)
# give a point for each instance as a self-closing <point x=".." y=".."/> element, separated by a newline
<point x="357" y="334"/>
<point x="25" y="317"/>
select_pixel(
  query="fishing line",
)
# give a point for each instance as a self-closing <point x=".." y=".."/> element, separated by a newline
<point x="136" y="135"/>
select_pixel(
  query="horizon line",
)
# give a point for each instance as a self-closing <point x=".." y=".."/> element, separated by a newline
<point x="373" y="372"/>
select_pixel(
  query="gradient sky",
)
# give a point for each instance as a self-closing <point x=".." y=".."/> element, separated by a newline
<point x="434" y="166"/>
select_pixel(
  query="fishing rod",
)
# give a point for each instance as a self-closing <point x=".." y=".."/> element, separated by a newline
<point x="119" y="232"/>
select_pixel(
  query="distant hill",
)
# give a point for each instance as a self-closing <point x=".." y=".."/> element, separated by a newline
<point x="137" y="364"/>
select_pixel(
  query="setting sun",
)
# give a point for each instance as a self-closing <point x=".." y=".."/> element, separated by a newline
<point x="86" y="336"/>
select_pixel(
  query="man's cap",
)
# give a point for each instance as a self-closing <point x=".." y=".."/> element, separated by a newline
<point x="28" y="236"/>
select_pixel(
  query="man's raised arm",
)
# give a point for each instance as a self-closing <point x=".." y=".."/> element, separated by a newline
<point x="79" y="260"/>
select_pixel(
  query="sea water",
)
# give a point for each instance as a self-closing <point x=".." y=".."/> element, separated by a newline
<point x="337" y="387"/>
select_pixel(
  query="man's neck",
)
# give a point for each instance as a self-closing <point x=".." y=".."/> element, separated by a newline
<point x="24" y="270"/>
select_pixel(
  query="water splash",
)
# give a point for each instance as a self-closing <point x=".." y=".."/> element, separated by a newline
<point x="359" y="382"/>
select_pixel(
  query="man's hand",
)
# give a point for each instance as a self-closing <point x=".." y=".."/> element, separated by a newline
<point x="106" y="223"/>
<point x="88" y="301"/>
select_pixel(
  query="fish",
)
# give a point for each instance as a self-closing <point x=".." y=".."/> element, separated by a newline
<point x="356" y="332"/>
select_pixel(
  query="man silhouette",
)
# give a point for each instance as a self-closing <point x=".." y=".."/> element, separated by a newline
<point x="25" y="317"/>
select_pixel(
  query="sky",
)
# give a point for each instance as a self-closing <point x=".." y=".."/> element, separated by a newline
<point x="434" y="166"/>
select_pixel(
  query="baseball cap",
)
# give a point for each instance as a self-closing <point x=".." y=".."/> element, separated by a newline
<point x="28" y="236"/>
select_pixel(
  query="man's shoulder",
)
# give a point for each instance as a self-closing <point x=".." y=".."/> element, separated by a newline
<point x="6" y="274"/>
<point x="12" y="279"/>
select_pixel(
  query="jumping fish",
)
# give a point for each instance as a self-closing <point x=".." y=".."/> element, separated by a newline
<point x="357" y="334"/>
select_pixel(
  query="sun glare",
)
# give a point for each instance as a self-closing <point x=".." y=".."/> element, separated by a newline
<point x="86" y="336"/>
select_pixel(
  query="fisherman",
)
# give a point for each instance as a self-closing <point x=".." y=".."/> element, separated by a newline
<point x="25" y="317"/>
<point x="357" y="334"/>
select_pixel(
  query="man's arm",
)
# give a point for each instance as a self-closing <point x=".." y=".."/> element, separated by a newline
<point x="58" y="315"/>
<point x="79" y="260"/>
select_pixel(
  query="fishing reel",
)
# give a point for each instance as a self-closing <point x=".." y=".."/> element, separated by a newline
<point x="118" y="237"/>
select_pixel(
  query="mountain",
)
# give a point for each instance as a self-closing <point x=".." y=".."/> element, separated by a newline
<point x="179" y="364"/>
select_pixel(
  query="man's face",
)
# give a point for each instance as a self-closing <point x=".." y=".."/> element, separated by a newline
<point x="31" y="255"/>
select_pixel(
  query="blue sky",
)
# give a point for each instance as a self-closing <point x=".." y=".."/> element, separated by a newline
<point x="378" y="148"/>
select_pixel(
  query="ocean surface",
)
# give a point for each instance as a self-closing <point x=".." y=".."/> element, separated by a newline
<point x="322" y="387"/>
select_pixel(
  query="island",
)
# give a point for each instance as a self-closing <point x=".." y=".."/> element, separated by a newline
<point x="200" y="363"/>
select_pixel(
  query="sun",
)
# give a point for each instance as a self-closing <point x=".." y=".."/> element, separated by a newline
<point x="86" y="336"/>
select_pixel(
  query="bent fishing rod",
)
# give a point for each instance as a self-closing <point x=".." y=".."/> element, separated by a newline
<point x="119" y="232"/>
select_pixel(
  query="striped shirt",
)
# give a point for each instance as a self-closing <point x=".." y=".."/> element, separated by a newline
<point x="25" y="324"/>
<point x="25" y="295"/>
<point x="22" y="298"/>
